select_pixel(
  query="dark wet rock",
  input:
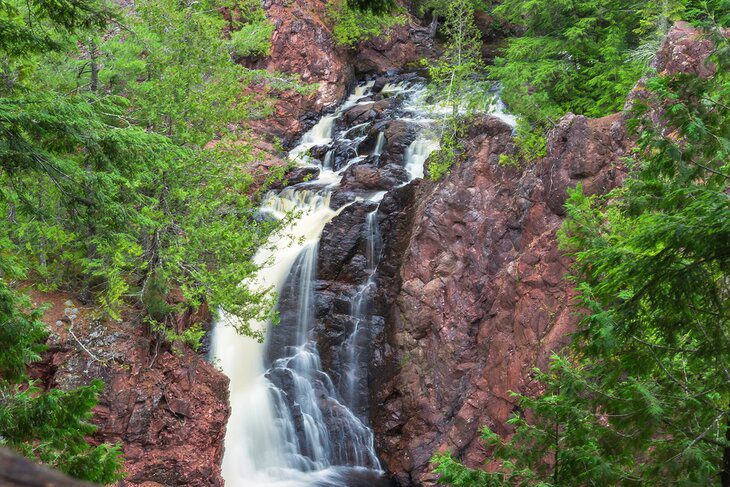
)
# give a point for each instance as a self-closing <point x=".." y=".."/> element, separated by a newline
<point x="380" y="83"/>
<point x="369" y="177"/>
<point x="341" y="241"/>
<point x="319" y="151"/>
<point x="399" y="134"/>
<point x="341" y="197"/>
<point x="366" y="112"/>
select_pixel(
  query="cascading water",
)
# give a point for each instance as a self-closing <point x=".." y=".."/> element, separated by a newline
<point x="290" y="424"/>
<point x="359" y="309"/>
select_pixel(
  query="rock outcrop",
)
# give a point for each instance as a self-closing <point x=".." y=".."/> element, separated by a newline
<point x="167" y="407"/>
<point x="481" y="298"/>
<point x="303" y="44"/>
<point x="475" y="297"/>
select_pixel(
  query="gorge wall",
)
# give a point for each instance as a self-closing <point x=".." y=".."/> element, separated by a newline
<point x="479" y="297"/>
<point x="475" y="296"/>
<point x="471" y="294"/>
<point x="470" y="289"/>
<point x="303" y="44"/>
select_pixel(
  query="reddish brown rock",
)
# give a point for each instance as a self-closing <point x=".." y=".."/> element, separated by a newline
<point x="684" y="50"/>
<point x="479" y="296"/>
<point x="168" y="409"/>
<point x="403" y="45"/>
<point x="303" y="45"/>
<point x="482" y="299"/>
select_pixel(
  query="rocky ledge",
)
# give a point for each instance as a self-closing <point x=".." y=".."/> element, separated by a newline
<point x="166" y="405"/>
<point x="303" y="44"/>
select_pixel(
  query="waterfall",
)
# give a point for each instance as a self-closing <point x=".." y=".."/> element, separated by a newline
<point x="290" y="424"/>
<point x="417" y="153"/>
<point x="359" y="309"/>
<point x="265" y="441"/>
<point x="379" y="144"/>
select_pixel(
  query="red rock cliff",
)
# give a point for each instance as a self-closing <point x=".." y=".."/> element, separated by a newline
<point x="482" y="300"/>
<point x="167" y="409"/>
<point x="303" y="44"/>
<point x="479" y="297"/>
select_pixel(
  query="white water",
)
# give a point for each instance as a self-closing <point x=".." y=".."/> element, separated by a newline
<point x="277" y="434"/>
<point x="257" y="445"/>
<point x="417" y="153"/>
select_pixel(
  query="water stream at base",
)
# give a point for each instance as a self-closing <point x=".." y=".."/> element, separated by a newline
<point x="290" y="425"/>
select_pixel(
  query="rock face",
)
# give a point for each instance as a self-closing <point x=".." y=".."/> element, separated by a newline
<point x="167" y="409"/>
<point x="684" y="50"/>
<point x="303" y="44"/>
<point x="474" y="297"/>
<point x="481" y="298"/>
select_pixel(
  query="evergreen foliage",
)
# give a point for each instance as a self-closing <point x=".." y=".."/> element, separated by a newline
<point x="251" y="37"/>
<point x="110" y="189"/>
<point x="375" y="6"/>
<point x="643" y="395"/>
<point x="353" y="23"/>
<point x="50" y="426"/>
<point x="106" y="182"/>
<point x="585" y="56"/>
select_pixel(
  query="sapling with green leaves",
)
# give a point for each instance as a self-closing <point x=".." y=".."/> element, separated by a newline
<point x="454" y="82"/>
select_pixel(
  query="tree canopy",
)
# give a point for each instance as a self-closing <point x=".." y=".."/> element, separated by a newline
<point x="585" y="56"/>
<point x="110" y="190"/>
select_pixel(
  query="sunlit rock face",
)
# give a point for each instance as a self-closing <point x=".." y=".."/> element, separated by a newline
<point x="480" y="297"/>
<point x="166" y="407"/>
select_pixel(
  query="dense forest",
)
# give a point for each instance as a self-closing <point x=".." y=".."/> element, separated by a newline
<point x="128" y="173"/>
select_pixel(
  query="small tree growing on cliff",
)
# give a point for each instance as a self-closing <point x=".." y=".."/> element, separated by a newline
<point x="453" y="81"/>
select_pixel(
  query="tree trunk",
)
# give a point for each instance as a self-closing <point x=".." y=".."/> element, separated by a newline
<point x="94" y="84"/>
<point x="434" y="25"/>
<point x="17" y="471"/>
<point x="725" y="474"/>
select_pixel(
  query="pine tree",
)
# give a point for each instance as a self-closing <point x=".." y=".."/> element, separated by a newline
<point x="107" y="182"/>
<point x="50" y="426"/>
<point x="584" y="56"/>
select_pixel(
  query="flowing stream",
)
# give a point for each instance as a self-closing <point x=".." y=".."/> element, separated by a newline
<point x="290" y="424"/>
